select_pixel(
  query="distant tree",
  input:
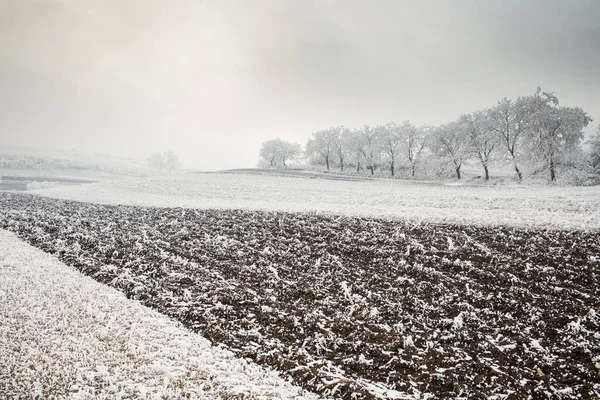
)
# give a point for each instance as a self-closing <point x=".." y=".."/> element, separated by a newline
<point x="594" y="143"/>
<point x="482" y="138"/>
<point x="554" y="132"/>
<point x="277" y="150"/>
<point x="164" y="161"/>
<point x="390" y="143"/>
<point x="451" y="143"/>
<point x="343" y="146"/>
<point x="413" y="141"/>
<point x="509" y="120"/>
<point x="270" y="151"/>
<point x="370" y="146"/>
<point x="289" y="152"/>
<point x="355" y="148"/>
<point x="171" y="161"/>
<point x="323" y="145"/>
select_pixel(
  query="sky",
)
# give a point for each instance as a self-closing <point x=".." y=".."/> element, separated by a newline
<point x="213" y="80"/>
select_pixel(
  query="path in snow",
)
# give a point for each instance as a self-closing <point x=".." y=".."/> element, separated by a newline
<point x="64" y="334"/>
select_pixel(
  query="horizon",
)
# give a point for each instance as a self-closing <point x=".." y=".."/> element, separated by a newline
<point x="212" y="82"/>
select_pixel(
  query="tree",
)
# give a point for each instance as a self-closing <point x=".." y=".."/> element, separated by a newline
<point x="450" y="143"/>
<point x="509" y="119"/>
<point x="343" y="145"/>
<point x="594" y="143"/>
<point x="164" y="161"/>
<point x="270" y="151"/>
<point x="389" y="140"/>
<point x="414" y="140"/>
<point x="482" y="138"/>
<point x="289" y="151"/>
<point x="555" y="132"/>
<point x="370" y="148"/>
<point x="171" y="161"/>
<point x="277" y="150"/>
<point x="323" y="144"/>
<point x="356" y="147"/>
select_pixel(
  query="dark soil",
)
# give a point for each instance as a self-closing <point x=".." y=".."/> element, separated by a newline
<point x="351" y="308"/>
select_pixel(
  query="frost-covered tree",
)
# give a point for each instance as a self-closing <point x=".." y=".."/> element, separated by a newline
<point x="164" y="161"/>
<point x="290" y="152"/>
<point x="371" y="149"/>
<point x="555" y="132"/>
<point x="450" y="142"/>
<point x="343" y="146"/>
<point x="356" y="148"/>
<point x="594" y="144"/>
<point x="413" y="140"/>
<point x="277" y="151"/>
<point x="509" y="120"/>
<point x="482" y="139"/>
<point x="323" y="145"/>
<point x="388" y="136"/>
<point x="271" y="151"/>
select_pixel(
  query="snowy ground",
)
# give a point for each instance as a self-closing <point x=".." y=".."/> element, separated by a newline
<point x="64" y="334"/>
<point x="350" y="308"/>
<point x="550" y="206"/>
<point x="104" y="357"/>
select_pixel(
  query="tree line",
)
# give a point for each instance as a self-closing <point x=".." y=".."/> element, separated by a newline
<point x="531" y="130"/>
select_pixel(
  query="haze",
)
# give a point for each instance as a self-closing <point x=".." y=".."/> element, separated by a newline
<point x="213" y="80"/>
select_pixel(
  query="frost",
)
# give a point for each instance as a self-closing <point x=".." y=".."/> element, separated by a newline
<point x="520" y="206"/>
<point x="87" y="340"/>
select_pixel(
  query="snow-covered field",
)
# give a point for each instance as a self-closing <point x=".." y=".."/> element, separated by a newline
<point x="540" y="206"/>
<point x="63" y="334"/>
<point x="350" y="307"/>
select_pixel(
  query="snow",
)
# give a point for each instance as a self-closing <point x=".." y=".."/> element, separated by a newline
<point x="64" y="334"/>
<point x="523" y="206"/>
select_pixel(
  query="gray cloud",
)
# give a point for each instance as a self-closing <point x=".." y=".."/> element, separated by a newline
<point x="132" y="77"/>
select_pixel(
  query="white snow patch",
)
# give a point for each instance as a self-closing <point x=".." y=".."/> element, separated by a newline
<point x="525" y="206"/>
<point x="63" y="332"/>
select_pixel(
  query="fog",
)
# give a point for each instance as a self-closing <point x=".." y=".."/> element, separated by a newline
<point x="213" y="80"/>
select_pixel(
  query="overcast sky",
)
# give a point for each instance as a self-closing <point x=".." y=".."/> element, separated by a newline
<point x="213" y="80"/>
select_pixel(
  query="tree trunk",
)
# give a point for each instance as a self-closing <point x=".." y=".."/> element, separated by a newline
<point x="487" y="173"/>
<point x="552" y="171"/>
<point x="519" y="173"/>
<point x="283" y="161"/>
<point x="517" y="170"/>
<point x="412" y="169"/>
<point x="392" y="167"/>
<point x="341" y="164"/>
<point x="327" y="162"/>
<point x="372" y="169"/>
<point x="458" y="172"/>
<point x="357" y="166"/>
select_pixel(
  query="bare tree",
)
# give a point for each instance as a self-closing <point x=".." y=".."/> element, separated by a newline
<point x="594" y="144"/>
<point x="451" y="143"/>
<point x="356" y="148"/>
<point x="289" y="152"/>
<point x="509" y="120"/>
<point x="271" y="151"/>
<point x="414" y="140"/>
<point x="371" y="150"/>
<point x="277" y="150"/>
<point x="389" y="140"/>
<point x="343" y="145"/>
<point x="482" y="138"/>
<point x="554" y="131"/>
<point x="323" y="144"/>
